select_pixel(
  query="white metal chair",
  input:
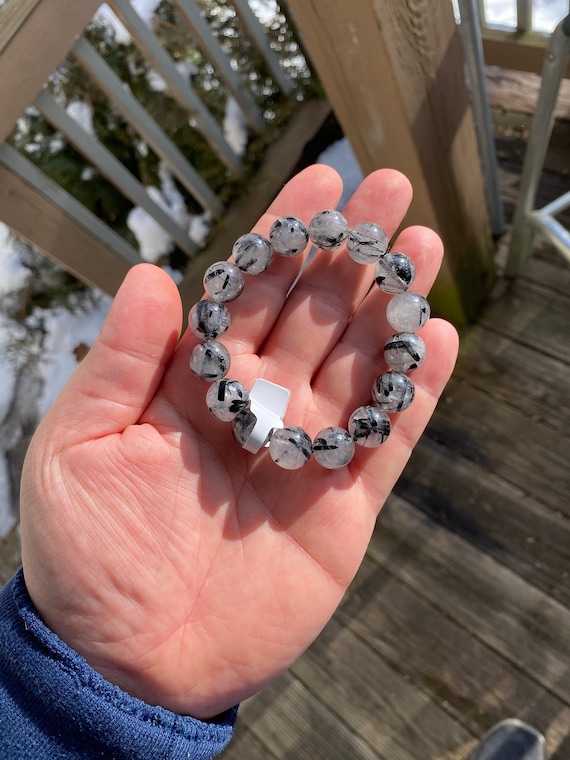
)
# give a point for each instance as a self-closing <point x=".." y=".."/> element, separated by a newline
<point x="528" y="220"/>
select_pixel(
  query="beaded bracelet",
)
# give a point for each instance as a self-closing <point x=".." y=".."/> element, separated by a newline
<point x="257" y="416"/>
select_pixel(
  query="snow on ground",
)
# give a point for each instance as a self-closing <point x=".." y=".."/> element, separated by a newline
<point x="153" y="241"/>
<point x="235" y="127"/>
<point x="13" y="276"/>
<point x="145" y="9"/>
<point x="65" y="332"/>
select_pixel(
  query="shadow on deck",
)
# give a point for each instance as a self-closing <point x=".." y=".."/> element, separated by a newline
<point x="460" y="614"/>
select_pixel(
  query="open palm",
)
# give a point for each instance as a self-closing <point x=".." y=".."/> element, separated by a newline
<point x="184" y="569"/>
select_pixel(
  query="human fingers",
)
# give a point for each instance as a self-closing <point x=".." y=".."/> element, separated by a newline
<point x="333" y="285"/>
<point x="255" y="311"/>
<point x="253" y="314"/>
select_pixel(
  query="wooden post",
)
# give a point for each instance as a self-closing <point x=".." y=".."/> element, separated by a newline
<point x="394" y="73"/>
<point x="36" y="37"/>
<point x="45" y="215"/>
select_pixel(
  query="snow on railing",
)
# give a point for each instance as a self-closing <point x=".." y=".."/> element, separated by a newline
<point x="190" y="141"/>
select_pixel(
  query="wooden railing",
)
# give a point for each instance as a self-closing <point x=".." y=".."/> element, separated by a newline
<point x="520" y="47"/>
<point x="392" y="71"/>
<point x="35" y="36"/>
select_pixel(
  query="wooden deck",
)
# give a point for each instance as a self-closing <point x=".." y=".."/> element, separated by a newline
<point x="460" y="614"/>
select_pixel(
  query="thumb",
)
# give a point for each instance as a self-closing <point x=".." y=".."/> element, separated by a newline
<point x="115" y="382"/>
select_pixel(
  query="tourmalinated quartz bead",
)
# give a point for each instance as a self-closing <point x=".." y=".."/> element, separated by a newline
<point x="226" y="398"/>
<point x="210" y="361"/>
<point x="223" y="281"/>
<point x="290" y="447"/>
<point x="369" y="426"/>
<point x="208" y="319"/>
<point x="288" y="236"/>
<point x="333" y="447"/>
<point x="404" y="351"/>
<point x="393" y="391"/>
<point x="328" y="230"/>
<point x="366" y="243"/>
<point x="242" y="426"/>
<point x="394" y="273"/>
<point x="252" y="253"/>
<point x="407" y="312"/>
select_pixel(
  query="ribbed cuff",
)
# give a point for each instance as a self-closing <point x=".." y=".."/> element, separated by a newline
<point x="54" y="706"/>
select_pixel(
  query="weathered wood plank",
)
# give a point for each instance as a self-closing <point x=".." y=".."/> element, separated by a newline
<point x="494" y="516"/>
<point x="530" y="455"/>
<point x="548" y="275"/>
<point x="19" y="60"/>
<point x="213" y="50"/>
<point x="111" y="168"/>
<point x="121" y="96"/>
<point x="518" y="91"/>
<point x="13" y="14"/>
<point x="388" y="69"/>
<point x="459" y="672"/>
<point x="533" y="316"/>
<point x="178" y="86"/>
<point x="502" y="368"/>
<point x="246" y="746"/>
<point x="396" y="718"/>
<point x="292" y="723"/>
<point x="508" y="50"/>
<point x="261" y="42"/>
<point x="46" y="216"/>
<point x="521" y="623"/>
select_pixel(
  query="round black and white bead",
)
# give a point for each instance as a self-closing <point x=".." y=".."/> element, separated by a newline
<point x="290" y="447"/>
<point x="227" y="398"/>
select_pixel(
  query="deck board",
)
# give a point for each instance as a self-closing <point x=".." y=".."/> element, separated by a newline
<point x="511" y="616"/>
<point x="457" y="670"/>
<point x="459" y="616"/>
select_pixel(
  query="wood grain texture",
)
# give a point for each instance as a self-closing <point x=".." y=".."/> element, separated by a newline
<point x="534" y="316"/>
<point x="396" y="717"/>
<point x="56" y="223"/>
<point x="504" y="369"/>
<point x="496" y="517"/>
<point x="389" y="69"/>
<point x="51" y="27"/>
<point x="293" y="723"/>
<point x="525" y="452"/>
<point x="13" y="14"/>
<point x="462" y="674"/>
<point x="510" y="616"/>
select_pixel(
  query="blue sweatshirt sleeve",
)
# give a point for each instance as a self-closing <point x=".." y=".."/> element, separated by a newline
<point x="54" y="706"/>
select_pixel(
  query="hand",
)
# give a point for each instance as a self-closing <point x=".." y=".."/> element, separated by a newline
<point x="185" y="570"/>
